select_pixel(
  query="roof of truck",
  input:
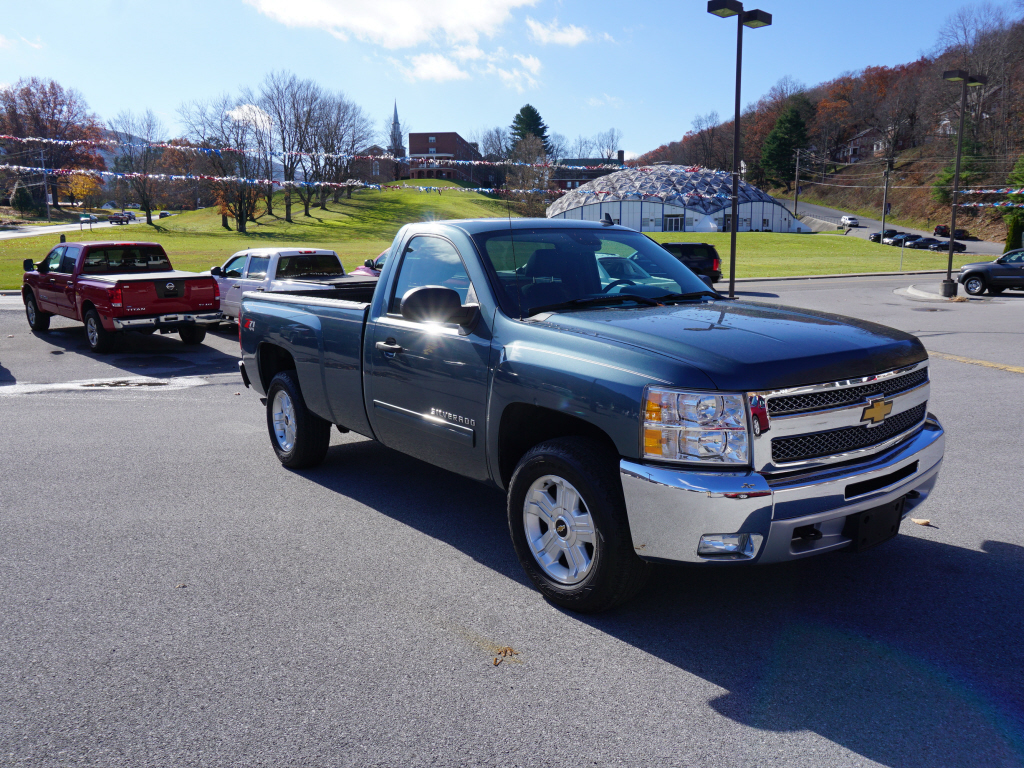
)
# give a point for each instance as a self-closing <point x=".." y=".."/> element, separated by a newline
<point x="473" y="226"/>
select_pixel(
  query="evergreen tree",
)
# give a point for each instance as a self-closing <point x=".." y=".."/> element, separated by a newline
<point x="1015" y="218"/>
<point x="971" y="171"/>
<point x="21" y="200"/>
<point x="778" y="158"/>
<point x="528" y="122"/>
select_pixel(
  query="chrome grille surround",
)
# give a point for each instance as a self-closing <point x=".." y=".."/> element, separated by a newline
<point x="831" y="398"/>
<point x="811" y="424"/>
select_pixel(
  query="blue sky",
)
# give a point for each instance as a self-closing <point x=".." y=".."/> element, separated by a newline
<point x="646" y="67"/>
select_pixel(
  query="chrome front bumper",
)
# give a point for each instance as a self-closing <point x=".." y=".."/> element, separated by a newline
<point x="171" y="320"/>
<point x="670" y="509"/>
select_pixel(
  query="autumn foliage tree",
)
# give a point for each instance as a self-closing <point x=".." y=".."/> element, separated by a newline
<point x="44" y="109"/>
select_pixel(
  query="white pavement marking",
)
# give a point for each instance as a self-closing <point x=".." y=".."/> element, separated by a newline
<point x="105" y="385"/>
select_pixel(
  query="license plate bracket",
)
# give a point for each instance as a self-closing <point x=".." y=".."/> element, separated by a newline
<point x="874" y="526"/>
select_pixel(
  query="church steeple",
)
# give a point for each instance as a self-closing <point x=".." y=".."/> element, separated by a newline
<point x="396" y="147"/>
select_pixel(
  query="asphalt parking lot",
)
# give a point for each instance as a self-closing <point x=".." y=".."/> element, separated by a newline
<point x="173" y="596"/>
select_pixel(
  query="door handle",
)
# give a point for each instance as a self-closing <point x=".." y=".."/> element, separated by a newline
<point x="388" y="347"/>
<point x="236" y="285"/>
<point x="53" y="280"/>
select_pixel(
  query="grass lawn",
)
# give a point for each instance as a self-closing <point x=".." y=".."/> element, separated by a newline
<point x="362" y="227"/>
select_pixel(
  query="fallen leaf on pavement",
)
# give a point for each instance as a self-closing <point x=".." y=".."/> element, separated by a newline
<point x="920" y="522"/>
<point x="180" y="586"/>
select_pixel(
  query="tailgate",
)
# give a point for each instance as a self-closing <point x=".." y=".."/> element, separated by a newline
<point x="170" y="294"/>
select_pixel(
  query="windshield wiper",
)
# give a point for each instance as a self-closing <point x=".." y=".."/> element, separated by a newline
<point x="690" y="295"/>
<point x="594" y="301"/>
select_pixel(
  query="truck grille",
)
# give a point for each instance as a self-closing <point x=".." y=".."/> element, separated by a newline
<point x="838" y="441"/>
<point x="834" y="398"/>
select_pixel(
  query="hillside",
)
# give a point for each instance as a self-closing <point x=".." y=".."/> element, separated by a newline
<point x="858" y="189"/>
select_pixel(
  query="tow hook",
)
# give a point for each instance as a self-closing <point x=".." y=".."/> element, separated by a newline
<point x="807" y="533"/>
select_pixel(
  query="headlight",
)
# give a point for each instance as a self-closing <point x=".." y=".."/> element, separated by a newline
<point x="696" y="427"/>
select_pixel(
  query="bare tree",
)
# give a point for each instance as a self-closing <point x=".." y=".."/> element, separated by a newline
<point x="608" y="142"/>
<point x="138" y="156"/>
<point x="529" y="177"/>
<point x="221" y="123"/>
<point x="559" y="146"/>
<point x="705" y="129"/>
<point x="581" y="147"/>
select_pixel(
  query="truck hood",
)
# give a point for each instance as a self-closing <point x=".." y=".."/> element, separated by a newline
<point x="747" y="346"/>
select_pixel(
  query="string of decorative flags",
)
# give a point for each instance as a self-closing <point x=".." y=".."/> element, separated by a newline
<point x="992" y="191"/>
<point x="355" y="183"/>
<point x="110" y="143"/>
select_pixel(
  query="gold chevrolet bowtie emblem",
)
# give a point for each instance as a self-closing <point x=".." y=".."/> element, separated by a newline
<point x="877" y="411"/>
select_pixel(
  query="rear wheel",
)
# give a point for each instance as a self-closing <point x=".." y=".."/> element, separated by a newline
<point x="569" y="526"/>
<point x="100" y="339"/>
<point x="37" y="319"/>
<point x="192" y="334"/>
<point x="995" y="291"/>
<point x="974" y="285"/>
<point x="300" y="438"/>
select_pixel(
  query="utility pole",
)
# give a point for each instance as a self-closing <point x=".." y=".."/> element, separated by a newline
<point x="796" y="198"/>
<point x="46" y="194"/>
<point x="885" y="202"/>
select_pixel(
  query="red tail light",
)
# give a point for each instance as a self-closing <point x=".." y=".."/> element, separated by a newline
<point x="717" y="264"/>
<point x="114" y="294"/>
<point x="216" y="291"/>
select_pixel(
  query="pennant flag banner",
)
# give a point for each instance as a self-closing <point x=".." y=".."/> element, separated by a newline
<point x="267" y="182"/>
<point x="1003" y="191"/>
<point x="439" y="162"/>
<point x="1004" y="204"/>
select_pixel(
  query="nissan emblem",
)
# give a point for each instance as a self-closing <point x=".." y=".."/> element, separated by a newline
<point x="169" y="286"/>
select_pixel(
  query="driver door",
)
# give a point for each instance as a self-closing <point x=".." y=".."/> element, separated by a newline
<point x="47" y="286"/>
<point x="428" y="381"/>
<point x="231" y="285"/>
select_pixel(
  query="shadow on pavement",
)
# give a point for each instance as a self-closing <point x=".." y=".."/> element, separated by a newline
<point x="758" y="293"/>
<point x="141" y="355"/>
<point x="909" y="655"/>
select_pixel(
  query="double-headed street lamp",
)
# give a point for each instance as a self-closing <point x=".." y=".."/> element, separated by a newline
<point x="752" y="19"/>
<point x="949" y="286"/>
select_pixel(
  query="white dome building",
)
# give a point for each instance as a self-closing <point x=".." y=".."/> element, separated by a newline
<point x="674" y="198"/>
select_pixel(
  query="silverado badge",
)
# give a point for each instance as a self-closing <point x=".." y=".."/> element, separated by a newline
<point x="877" y="411"/>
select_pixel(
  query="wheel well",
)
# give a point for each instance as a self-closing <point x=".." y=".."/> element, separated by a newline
<point x="86" y="306"/>
<point x="272" y="360"/>
<point x="524" y="426"/>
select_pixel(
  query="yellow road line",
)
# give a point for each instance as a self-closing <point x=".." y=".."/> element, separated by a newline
<point x="971" y="361"/>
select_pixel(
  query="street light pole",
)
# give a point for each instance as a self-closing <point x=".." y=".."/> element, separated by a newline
<point x="753" y="19"/>
<point x="949" y="287"/>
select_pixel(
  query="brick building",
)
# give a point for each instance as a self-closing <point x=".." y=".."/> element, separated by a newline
<point x="427" y="151"/>
<point x="567" y="178"/>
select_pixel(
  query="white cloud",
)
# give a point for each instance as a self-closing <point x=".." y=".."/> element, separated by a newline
<point x="433" y="66"/>
<point x="5" y="43"/>
<point x="395" y="23"/>
<point x="250" y="113"/>
<point x="467" y="53"/>
<point x="37" y="43"/>
<point x="532" y="63"/>
<point x="604" y="100"/>
<point x="552" y="33"/>
<point x="630" y="155"/>
<point x="607" y="38"/>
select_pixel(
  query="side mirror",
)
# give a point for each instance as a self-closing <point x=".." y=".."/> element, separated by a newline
<point x="369" y="263"/>
<point x="216" y="272"/>
<point x="707" y="281"/>
<point x="28" y="265"/>
<point x="434" y="304"/>
<point x="44" y="267"/>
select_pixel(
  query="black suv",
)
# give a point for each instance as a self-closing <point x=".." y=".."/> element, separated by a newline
<point x="876" y="237"/>
<point x="701" y="258"/>
<point x="994" y="276"/>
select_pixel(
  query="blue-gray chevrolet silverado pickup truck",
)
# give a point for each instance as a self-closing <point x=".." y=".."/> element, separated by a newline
<point x="629" y="420"/>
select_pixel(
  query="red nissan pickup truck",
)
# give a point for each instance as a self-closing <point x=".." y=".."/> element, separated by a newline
<point x="114" y="287"/>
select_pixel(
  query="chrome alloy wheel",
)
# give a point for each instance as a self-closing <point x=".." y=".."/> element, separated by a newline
<point x="559" y="529"/>
<point x="91" y="331"/>
<point x="30" y="310"/>
<point x="283" y="413"/>
<point x="973" y="285"/>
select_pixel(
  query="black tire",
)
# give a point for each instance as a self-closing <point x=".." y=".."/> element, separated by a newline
<point x="309" y="437"/>
<point x="37" y="319"/>
<point x="996" y="291"/>
<point x="974" y="285"/>
<point x="147" y="331"/>
<point x="615" y="573"/>
<point x="192" y="334"/>
<point x="98" y="338"/>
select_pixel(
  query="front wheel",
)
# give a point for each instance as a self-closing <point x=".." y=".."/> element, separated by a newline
<point x="300" y="438"/>
<point x="974" y="285"/>
<point x="568" y="522"/>
<point x="100" y="339"/>
<point x="37" y="319"/>
<point x="192" y="334"/>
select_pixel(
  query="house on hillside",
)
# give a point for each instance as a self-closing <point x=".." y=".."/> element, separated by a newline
<point x="991" y="102"/>
<point x="570" y="178"/>
<point x="433" y="156"/>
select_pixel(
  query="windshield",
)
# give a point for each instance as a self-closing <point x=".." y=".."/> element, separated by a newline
<point x="125" y="260"/>
<point x="315" y="265"/>
<point x="547" y="267"/>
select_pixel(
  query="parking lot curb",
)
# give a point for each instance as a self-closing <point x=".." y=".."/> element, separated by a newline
<point x="836" y="277"/>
